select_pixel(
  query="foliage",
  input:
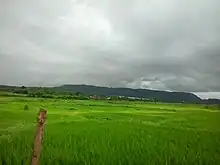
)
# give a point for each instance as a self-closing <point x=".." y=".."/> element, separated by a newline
<point x="26" y="107"/>
<point x="21" y="91"/>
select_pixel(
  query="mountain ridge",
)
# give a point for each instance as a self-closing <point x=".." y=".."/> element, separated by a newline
<point x="163" y="96"/>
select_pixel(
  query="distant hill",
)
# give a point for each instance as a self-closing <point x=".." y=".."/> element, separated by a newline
<point x="141" y="93"/>
<point x="163" y="96"/>
<point x="211" y="101"/>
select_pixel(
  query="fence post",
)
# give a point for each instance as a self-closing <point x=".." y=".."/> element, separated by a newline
<point x="41" y="117"/>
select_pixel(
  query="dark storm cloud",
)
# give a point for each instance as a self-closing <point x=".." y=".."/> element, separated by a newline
<point x="172" y="45"/>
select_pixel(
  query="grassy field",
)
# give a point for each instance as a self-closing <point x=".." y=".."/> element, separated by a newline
<point x="102" y="132"/>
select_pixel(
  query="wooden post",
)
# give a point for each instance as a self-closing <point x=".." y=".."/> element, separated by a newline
<point x="38" y="136"/>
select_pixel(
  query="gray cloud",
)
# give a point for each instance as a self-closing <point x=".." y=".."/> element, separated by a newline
<point x="141" y="44"/>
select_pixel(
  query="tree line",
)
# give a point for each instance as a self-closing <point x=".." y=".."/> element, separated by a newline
<point x="43" y="92"/>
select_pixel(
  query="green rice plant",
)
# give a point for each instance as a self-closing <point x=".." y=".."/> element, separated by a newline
<point x="109" y="133"/>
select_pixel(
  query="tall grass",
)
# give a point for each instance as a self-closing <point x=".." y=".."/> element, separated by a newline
<point x="97" y="132"/>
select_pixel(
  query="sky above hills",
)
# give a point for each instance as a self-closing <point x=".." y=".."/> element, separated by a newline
<point x="155" y="44"/>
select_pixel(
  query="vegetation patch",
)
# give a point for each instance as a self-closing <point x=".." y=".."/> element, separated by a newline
<point x="98" y="132"/>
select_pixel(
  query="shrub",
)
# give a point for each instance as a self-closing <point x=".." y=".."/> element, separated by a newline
<point x="72" y="109"/>
<point x="26" y="107"/>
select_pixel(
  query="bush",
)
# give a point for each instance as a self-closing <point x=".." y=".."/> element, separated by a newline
<point x="26" y="108"/>
<point x="72" y="109"/>
<point x="206" y="107"/>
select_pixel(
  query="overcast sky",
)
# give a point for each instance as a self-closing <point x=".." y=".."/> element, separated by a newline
<point x="155" y="44"/>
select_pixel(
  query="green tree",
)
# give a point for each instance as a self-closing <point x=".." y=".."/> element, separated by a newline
<point x="23" y="87"/>
<point x="79" y="94"/>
